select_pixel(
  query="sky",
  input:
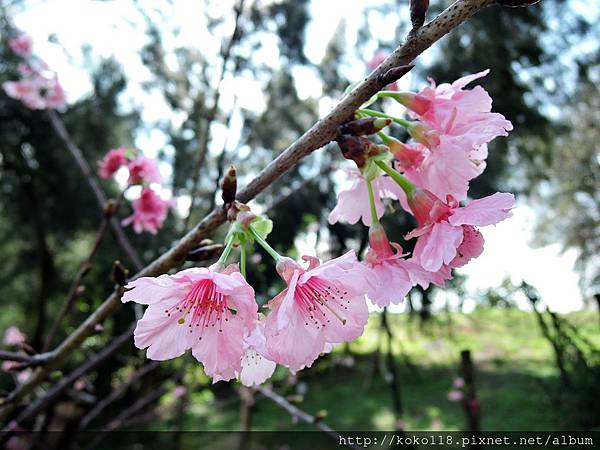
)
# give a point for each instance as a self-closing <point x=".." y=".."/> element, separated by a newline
<point x="113" y="28"/>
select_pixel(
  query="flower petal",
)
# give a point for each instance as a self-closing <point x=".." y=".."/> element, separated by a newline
<point x="438" y="247"/>
<point x="484" y="211"/>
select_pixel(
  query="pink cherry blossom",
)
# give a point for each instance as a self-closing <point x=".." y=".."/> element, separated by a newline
<point x="13" y="336"/>
<point x="393" y="276"/>
<point x="390" y="279"/>
<point x="353" y="203"/>
<point x="143" y="170"/>
<point x="8" y="366"/>
<point x="459" y="382"/>
<point x="21" y="45"/>
<point x="256" y="365"/>
<point x="451" y="110"/>
<point x="206" y="310"/>
<point x="36" y="92"/>
<point x="456" y="126"/>
<point x="447" y="233"/>
<point x="445" y="170"/>
<point x="23" y="375"/>
<point x="149" y="212"/>
<point x="112" y="161"/>
<point x="324" y="303"/>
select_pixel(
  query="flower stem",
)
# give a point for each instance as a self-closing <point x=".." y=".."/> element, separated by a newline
<point x="226" y="251"/>
<point x="374" y="218"/>
<point x="243" y="259"/>
<point x="370" y="112"/>
<point x="407" y="186"/>
<point x="264" y="244"/>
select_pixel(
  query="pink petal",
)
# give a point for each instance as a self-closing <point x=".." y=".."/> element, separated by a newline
<point x="471" y="246"/>
<point x="151" y="290"/>
<point x="353" y="204"/>
<point x="295" y="346"/>
<point x="164" y="337"/>
<point x="485" y="211"/>
<point x="438" y="247"/>
<point x="462" y="82"/>
<point x="256" y="369"/>
<point x="391" y="283"/>
<point x="221" y="349"/>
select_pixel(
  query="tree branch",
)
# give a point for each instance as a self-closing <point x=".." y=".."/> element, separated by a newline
<point x="116" y="394"/>
<point x="74" y="291"/>
<point x="212" y="113"/>
<point x="86" y="171"/>
<point x="41" y="403"/>
<point x="300" y="414"/>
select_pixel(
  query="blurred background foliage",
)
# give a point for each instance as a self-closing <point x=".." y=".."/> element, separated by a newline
<point x="539" y="79"/>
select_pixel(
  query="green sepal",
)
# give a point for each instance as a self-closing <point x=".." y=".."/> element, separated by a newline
<point x="371" y="170"/>
<point x="241" y="235"/>
<point x="262" y="226"/>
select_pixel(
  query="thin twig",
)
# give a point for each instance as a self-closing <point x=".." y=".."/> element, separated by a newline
<point x="317" y="136"/>
<point x="294" y="411"/>
<point x="74" y="291"/>
<point x="116" y="394"/>
<point x="17" y="357"/>
<point x="212" y="113"/>
<point x="43" y="402"/>
<point x="101" y="198"/>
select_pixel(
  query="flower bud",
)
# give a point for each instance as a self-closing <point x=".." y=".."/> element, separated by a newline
<point x="359" y="149"/>
<point x="368" y="125"/>
<point x="229" y="186"/>
<point x="418" y="9"/>
<point x="119" y="273"/>
<point x="110" y="208"/>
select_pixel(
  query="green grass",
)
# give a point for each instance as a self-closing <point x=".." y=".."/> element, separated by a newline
<point x="515" y="377"/>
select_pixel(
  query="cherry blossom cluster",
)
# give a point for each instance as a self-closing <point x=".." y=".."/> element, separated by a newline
<point x="429" y="176"/>
<point x="213" y="311"/>
<point x="38" y="86"/>
<point x="14" y="337"/>
<point x="149" y="210"/>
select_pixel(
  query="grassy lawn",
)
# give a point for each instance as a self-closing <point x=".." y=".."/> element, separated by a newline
<point x="515" y="377"/>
